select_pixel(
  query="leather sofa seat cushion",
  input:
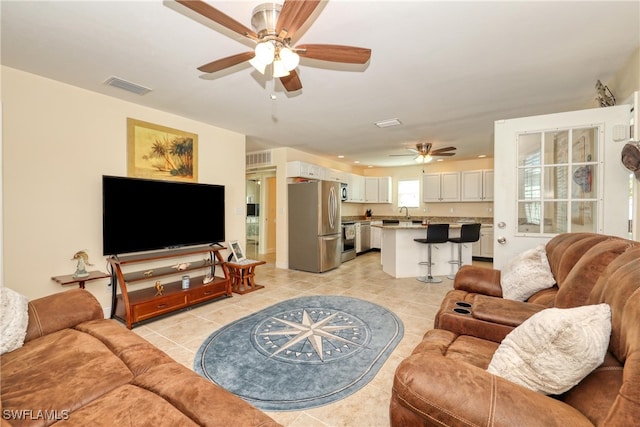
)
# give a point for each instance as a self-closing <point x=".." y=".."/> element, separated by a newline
<point x="191" y="395"/>
<point x="137" y="353"/>
<point x="63" y="371"/>
<point x="463" y="348"/>
<point x="129" y="405"/>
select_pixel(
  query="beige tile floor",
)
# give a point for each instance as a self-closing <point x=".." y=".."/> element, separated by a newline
<point x="180" y="335"/>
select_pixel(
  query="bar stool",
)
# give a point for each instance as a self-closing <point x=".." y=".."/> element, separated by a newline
<point x="436" y="233"/>
<point x="469" y="233"/>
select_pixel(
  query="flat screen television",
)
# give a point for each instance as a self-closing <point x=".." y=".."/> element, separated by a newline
<point x="144" y="214"/>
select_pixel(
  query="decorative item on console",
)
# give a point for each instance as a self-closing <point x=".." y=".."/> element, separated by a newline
<point x="159" y="288"/>
<point x="83" y="261"/>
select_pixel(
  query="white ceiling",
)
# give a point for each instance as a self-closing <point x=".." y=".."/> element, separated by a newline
<point x="446" y="69"/>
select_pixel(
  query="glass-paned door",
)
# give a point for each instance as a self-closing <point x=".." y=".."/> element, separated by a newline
<point x="559" y="173"/>
<point x="557" y="180"/>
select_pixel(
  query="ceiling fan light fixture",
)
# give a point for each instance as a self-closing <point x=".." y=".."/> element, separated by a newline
<point x="289" y="58"/>
<point x="265" y="52"/>
<point x="279" y="69"/>
<point x="258" y="65"/>
<point x="423" y="159"/>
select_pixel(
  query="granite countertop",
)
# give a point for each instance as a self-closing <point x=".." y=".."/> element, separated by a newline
<point x="486" y="222"/>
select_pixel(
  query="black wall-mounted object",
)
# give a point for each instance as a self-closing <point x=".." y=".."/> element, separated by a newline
<point x="145" y="214"/>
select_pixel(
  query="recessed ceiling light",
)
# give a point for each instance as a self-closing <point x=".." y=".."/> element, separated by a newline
<point x="370" y="166"/>
<point x="341" y="156"/>
<point x="356" y="161"/>
<point x="482" y="155"/>
<point x="388" y="123"/>
<point x="440" y="160"/>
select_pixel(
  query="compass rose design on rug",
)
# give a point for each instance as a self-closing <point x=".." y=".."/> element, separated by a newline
<point x="334" y="345"/>
<point x="311" y="335"/>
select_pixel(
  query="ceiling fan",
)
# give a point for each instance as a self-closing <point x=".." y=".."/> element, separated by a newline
<point x="275" y="26"/>
<point x="424" y="154"/>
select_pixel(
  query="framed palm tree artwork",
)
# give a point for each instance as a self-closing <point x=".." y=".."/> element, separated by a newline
<point x="159" y="152"/>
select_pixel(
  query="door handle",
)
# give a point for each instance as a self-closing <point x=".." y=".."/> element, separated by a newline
<point x="502" y="240"/>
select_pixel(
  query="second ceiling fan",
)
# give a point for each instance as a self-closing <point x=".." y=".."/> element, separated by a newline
<point x="423" y="152"/>
<point x="275" y="27"/>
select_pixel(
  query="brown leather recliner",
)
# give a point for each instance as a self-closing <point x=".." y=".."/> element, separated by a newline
<point x="478" y="309"/>
<point x="445" y="383"/>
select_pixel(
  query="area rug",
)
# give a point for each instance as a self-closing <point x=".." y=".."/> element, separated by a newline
<point x="301" y="353"/>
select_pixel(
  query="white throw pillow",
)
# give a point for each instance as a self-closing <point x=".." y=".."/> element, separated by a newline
<point x="526" y="274"/>
<point x="14" y="318"/>
<point x="554" y="349"/>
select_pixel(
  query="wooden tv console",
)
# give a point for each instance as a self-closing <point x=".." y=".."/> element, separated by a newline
<point x="135" y="306"/>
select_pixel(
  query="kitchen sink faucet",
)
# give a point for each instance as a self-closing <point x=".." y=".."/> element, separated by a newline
<point x="406" y="209"/>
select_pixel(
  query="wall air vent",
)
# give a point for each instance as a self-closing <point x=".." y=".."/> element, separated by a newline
<point x="128" y="86"/>
<point x="258" y="158"/>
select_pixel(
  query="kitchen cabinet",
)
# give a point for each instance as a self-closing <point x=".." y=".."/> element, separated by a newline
<point x="378" y="189"/>
<point x="486" y="242"/>
<point x="477" y="185"/>
<point x="300" y="169"/>
<point x="371" y="189"/>
<point x="384" y="189"/>
<point x="334" y="175"/>
<point x="376" y="235"/>
<point x="356" y="190"/>
<point x="358" y="238"/>
<point x="483" y="248"/>
<point x="441" y="187"/>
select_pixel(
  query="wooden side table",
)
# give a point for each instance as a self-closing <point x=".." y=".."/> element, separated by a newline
<point x="242" y="276"/>
<point x="70" y="280"/>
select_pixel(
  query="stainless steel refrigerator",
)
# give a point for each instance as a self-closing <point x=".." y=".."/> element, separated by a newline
<point x="315" y="242"/>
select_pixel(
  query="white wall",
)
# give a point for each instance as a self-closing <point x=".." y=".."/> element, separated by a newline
<point x="58" y="142"/>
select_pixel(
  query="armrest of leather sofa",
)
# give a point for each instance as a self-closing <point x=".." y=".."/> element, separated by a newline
<point x="503" y="311"/>
<point x="62" y="310"/>
<point x="431" y="389"/>
<point x="479" y="280"/>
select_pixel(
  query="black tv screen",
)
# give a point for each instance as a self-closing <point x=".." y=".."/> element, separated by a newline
<point x="145" y="214"/>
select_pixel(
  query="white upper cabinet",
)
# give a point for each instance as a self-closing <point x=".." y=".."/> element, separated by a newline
<point x="371" y="189"/>
<point x="377" y="189"/>
<point x="356" y="189"/>
<point x="384" y="189"/>
<point x="334" y="175"/>
<point x="299" y="169"/>
<point x="441" y="187"/>
<point x="477" y="185"/>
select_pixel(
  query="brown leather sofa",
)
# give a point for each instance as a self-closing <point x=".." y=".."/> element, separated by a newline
<point x="78" y="369"/>
<point x="476" y="307"/>
<point x="445" y="383"/>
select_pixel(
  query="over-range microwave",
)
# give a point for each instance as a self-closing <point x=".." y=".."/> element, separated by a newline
<point x="344" y="191"/>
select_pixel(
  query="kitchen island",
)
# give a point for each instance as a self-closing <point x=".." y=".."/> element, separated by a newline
<point x="400" y="254"/>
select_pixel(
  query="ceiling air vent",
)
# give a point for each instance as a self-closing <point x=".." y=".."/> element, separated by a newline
<point x="128" y="86"/>
<point x="258" y="158"/>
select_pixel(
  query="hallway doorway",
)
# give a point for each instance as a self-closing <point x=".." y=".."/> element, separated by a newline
<point x="261" y="214"/>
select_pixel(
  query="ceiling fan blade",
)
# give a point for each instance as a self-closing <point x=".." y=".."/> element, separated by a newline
<point x="334" y="53"/>
<point x="229" y="61"/>
<point x="215" y="15"/>
<point x="291" y="82"/>
<point x="442" y="154"/>
<point x="401" y="155"/>
<point x="294" y="14"/>
<point x="440" y="150"/>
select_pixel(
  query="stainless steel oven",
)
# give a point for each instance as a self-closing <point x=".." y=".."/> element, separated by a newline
<point x="348" y="241"/>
